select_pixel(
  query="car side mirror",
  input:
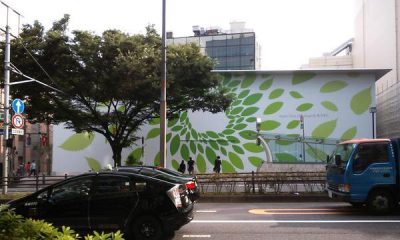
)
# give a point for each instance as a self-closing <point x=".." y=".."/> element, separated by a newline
<point x="338" y="160"/>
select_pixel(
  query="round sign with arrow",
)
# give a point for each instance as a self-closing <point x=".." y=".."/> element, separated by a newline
<point x="18" y="105"/>
<point x="18" y="121"/>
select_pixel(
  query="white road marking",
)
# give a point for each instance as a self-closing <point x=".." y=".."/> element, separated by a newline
<point x="295" y="221"/>
<point x="206" y="211"/>
<point x="196" y="236"/>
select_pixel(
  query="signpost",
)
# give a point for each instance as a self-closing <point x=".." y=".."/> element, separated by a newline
<point x="18" y="121"/>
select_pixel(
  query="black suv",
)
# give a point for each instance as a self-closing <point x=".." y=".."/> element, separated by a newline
<point x="142" y="207"/>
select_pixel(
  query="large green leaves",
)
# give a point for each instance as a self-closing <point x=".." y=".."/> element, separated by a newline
<point x="301" y="77"/>
<point x="273" y="108"/>
<point x="235" y="160"/>
<point x="349" y="133"/>
<point x="78" y="141"/>
<point x="201" y="163"/>
<point x="252" y="99"/>
<point x="248" y="80"/>
<point x="227" y="167"/>
<point x="269" y="125"/>
<point x="361" y="101"/>
<point x="266" y="84"/>
<point x="304" y="107"/>
<point x="174" y="145"/>
<point x="252" y="147"/>
<point x="153" y="133"/>
<point x="333" y="86"/>
<point x="276" y="93"/>
<point x="329" y="105"/>
<point x="325" y="129"/>
<point x="93" y="164"/>
<point x="285" y="157"/>
<point x="255" y="161"/>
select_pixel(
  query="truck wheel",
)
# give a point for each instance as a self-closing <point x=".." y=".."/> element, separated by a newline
<point x="147" y="228"/>
<point x="380" y="202"/>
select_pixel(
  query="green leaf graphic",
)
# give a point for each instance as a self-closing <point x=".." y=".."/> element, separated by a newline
<point x="349" y="134"/>
<point x="235" y="103"/>
<point x="175" y="164"/>
<point x="157" y="159"/>
<point x="183" y="116"/>
<point x="255" y="161"/>
<point x="234" y="83"/>
<point x="78" y="141"/>
<point x="285" y="157"/>
<point x="177" y="128"/>
<point x="214" y="145"/>
<point x="235" y="160"/>
<point x="227" y="167"/>
<point x="276" y="93"/>
<point x="304" y="107"/>
<point x="232" y="139"/>
<point x="252" y="147"/>
<point x="295" y="94"/>
<point x="317" y="154"/>
<point x="201" y="164"/>
<point x="172" y="122"/>
<point x="244" y="94"/>
<point x="227" y="78"/>
<point x="136" y="155"/>
<point x="251" y="119"/>
<point x="324" y="130"/>
<point x="302" y="77"/>
<point x="252" y="99"/>
<point x="249" y="111"/>
<point x="223" y="150"/>
<point x="292" y="137"/>
<point x="240" y="126"/>
<point x="185" y="152"/>
<point x="175" y="143"/>
<point x="193" y="147"/>
<point x="154" y="121"/>
<point x="248" y="80"/>
<point x="269" y="125"/>
<point x="329" y="105"/>
<point x="361" y="101"/>
<point x="183" y="131"/>
<point x="212" y="134"/>
<point x="153" y="133"/>
<point x="223" y="142"/>
<point x="194" y="134"/>
<point x="200" y="148"/>
<point x="211" y="156"/>
<point x="228" y="131"/>
<point x="248" y="134"/>
<point x="266" y="84"/>
<point x="93" y="164"/>
<point x="293" y="124"/>
<point x="236" y="110"/>
<point x="238" y="149"/>
<point x="239" y="120"/>
<point x="273" y="108"/>
<point x="333" y="86"/>
<point x="168" y="137"/>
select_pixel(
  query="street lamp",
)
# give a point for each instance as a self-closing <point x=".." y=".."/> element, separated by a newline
<point x="372" y="110"/>
<point x="163" y="98"/>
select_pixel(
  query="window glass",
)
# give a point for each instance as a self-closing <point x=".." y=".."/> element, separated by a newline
<point x="72" y="190"/>
<point x="112" y="184"/>
<point x="369" y="153"/>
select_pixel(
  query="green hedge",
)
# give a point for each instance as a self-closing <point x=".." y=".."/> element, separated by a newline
<point x="15" y="227"/>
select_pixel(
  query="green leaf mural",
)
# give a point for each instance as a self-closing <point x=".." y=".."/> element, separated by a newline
<point x="235" y="103"/>
<point x="324" y="130"/>
<point x="266" y="84"/>
<point x="177" y="128"/>
<point x="235" y="160"/>
<point x="175" y="143"/>
<point x="276" y="93"/>
<point x="78" y="141"/>
<point x="273" y="108"/>
<point x="223" y="142"/>
<point x="269" y="125"/>
<point x="349" y="134"/>
<point x="333" y="86"/>
<point x="153" y="133"/>
<point x="154" y="121"/>
<point x="285" y="157"/>
<point x="233" y="84"/>
<point x="157" y="159"/>
<point x="136" y="154"/>
<point x="293" y="124"/>
<point x="93" y="164"/>
<point x="168" y="137"/>
<point x="172" y="122"/>
<point x="252" y="147"/>
<point x="252" y="99"/>
<point x="211" y="156"/>
<point x="228" y="131"/>
<point x="361" y="101"/>
<point x="192" y="147"/>
<point x="251" y="119"/>
<point x="304" y="107"/>
<point x="239" y="120"/>
<point x="194" y="134"/>
<point x="200" y="148"/>
<point x="255" y="161"/>
<point x="244" y="94"/>
<point x="295" y="94"/>
<point x="212" y="134"/>
<point x="183" y="117"/>
<point x="302" y="77"/>
<point x="185" y="152"/>
<point x="236" y="110"/>
<point x="316" y="153"/>
<point x="248" y="80"/>
<point x="249" y="111"/>
<point x="184" y="130"/>
<point x="329" y="105"/>
<point x="201" y="164"/>
<point x="240" y="126"/>
<point x="233" y="139"/>
<point x="175" y="164"/>
<point x="214" y="145"/>
<point x="248" y="134"/>
<point x="223" y="151"/>
<point x="238" y="149"/>
<point x="227" y="167"/>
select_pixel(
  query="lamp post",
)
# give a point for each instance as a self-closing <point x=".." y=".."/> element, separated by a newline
<point x="163" y="98"/>
<point x="372" y="110"/>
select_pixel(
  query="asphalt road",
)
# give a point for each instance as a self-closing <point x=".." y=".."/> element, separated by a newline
<point x="295" y="220"/>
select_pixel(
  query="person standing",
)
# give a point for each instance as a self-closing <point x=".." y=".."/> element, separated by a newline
<point x="190" y="166"/>
<point x="217" y="165"/>
<point x="182" y="167"/>
<point x="27" y="168"/>
<point x="33" y="168"/>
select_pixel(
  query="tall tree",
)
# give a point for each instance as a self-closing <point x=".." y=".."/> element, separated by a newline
<point x="110" y="83"/>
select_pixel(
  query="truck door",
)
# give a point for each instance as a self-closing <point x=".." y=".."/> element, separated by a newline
<point x="372" y="165"/>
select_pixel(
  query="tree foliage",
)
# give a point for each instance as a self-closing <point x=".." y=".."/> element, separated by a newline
<point x="110" y="83"/>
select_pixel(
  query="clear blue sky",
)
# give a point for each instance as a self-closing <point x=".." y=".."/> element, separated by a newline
<point x="289" y="31"/>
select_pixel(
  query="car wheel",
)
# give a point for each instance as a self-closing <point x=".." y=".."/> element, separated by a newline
<point x="380" y="202"/>
<point x="147" y="228"/>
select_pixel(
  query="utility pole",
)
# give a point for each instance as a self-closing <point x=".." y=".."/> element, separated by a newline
<point x="163" y="99"/>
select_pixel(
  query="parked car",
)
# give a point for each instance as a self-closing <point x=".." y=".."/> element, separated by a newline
<point x="140" y="206"/>
<point x="167" y="175"/>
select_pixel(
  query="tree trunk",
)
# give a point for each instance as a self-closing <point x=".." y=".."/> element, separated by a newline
<point x="116" y="155"/>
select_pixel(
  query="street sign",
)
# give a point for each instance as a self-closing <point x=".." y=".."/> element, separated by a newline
<point x="18" y="121"/>
<point x="18" y="106"/>
<point x="17" y="131"/>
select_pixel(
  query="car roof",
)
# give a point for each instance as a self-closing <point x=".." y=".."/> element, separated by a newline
<point x="365" y="140"/>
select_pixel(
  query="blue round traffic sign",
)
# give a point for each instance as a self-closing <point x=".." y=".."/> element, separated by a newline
<point x="18" y="105"/>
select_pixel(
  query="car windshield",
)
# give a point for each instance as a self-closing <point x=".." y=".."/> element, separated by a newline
<point x="344" y="151"/>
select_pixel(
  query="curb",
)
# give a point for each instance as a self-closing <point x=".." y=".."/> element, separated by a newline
<point x="206" y="198"/>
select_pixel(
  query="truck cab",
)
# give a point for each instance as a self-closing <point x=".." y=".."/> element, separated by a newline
<point x="365" y="172"/>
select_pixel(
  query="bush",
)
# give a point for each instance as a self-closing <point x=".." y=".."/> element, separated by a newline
<point x="15" y="227"/>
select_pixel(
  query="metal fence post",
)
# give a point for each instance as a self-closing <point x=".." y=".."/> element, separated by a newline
<point x="43" y="179"/>
<point x="253" y="181"/>
<point x="66" y="176"/>
<point x="37" y="182"/>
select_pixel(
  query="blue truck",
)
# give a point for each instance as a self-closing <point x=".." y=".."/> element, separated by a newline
<point x="365" y="172"/>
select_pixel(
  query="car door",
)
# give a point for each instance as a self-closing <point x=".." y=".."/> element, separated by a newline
<point x="113" y="199"/>
<point x="68" y="203"/>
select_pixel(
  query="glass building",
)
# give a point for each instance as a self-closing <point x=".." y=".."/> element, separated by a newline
<point x="230" y="51"/>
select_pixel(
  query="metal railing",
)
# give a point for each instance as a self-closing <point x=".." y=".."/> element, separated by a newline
<point x="31" y="183"/>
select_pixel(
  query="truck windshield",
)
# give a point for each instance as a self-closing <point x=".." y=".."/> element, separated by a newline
<point x="344" y="150"/>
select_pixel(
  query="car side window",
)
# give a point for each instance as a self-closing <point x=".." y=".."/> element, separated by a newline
<point x="369" y="153"/>
<point x="74" y="189"/>
<point x="112" y="185"/>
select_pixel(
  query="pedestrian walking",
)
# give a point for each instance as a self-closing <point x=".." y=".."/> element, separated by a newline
<point x="27" y="168"/>
<point x="182" y="167"/>
<point x="217" y="165"/>
<point x="191" y="166"/>
<point x="33" y="168"/>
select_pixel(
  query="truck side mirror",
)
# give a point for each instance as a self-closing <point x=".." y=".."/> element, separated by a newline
<point x="327" y="158"/>
<point x="338" y="160"/>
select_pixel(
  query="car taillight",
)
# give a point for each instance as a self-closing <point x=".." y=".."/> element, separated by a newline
<point x="190" y="185"/>
<point x="175" y="195"/>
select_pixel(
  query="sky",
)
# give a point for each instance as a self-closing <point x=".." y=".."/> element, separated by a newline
<point x="289" y="31"/>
